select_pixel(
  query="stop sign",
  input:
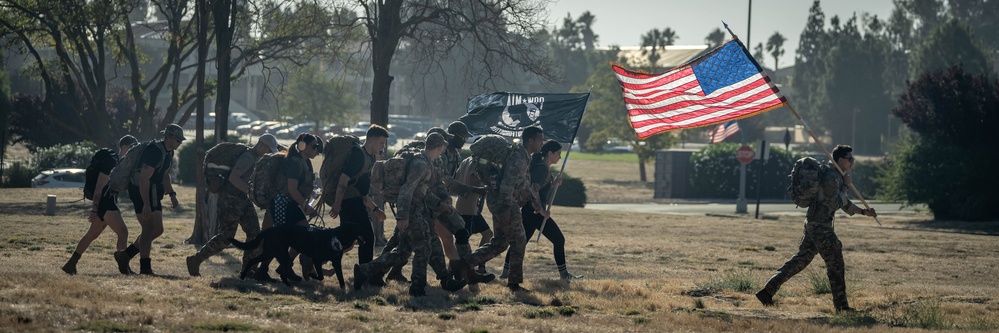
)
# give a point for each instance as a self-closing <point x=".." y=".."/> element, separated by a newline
<point x="745" y="154"/>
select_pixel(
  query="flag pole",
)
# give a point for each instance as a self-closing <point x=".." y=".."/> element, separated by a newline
<point x="551" y="200"/>
<point x="841" y="172"/>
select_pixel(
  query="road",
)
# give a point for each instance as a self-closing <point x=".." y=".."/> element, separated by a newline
<point x="728" y="208"/>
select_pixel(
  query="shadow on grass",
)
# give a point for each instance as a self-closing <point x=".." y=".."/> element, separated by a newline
<point x="962" y="227"/>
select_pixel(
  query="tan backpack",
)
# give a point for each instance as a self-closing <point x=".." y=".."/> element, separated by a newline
<point x="219" y="162"/>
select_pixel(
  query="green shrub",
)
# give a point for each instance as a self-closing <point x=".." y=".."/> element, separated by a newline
<point x="187" y="159"/>
<point x="715" y="172"/>
<point x="571" y="193"/>
<point x="19" y="174"/>
<point x="74" y="155"/>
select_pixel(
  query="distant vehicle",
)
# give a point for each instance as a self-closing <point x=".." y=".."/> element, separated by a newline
<point x="263" y="127"/>
<point x="239" y="119"/>
<point x="56" y="178"/>
<point x="247" y="128"/>
<point x="293" y="131"/>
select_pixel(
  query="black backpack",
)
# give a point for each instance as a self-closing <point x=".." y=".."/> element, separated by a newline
<point x="102" y="157"/>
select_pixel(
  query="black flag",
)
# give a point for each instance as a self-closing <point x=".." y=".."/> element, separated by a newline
<point x="507" y="114"/>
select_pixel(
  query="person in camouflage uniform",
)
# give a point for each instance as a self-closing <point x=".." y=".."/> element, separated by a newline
<point x="417" y="199"/>
<point x="504" y="202"/>
<point x="820" y="236"/>
<point x="234" y="206"/>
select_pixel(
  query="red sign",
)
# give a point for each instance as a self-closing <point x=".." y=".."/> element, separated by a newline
<point x="745" y="154"/>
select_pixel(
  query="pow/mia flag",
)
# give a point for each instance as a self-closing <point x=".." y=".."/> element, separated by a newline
<point x="507" y="114"/>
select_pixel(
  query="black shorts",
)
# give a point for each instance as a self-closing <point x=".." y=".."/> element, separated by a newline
<point x="108" y="203"/>
<point x="475" y="223"/>
<point x="155" y="197"/>
<point x="285" y="210"/>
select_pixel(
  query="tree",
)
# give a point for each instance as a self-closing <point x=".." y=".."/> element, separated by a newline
<point x="775" y="45"/>
<point x="312" y="97"/>
<point x="809" y="66"/>
<point x="953" y="112"/>
<point x="654" y="41"/>
<point x="585" y="22"/>
<point x="715" y="39"/>
<point x="501" y="34"/>
<point x="948" y="45"/>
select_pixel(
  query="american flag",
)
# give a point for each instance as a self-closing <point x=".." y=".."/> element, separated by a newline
<point x="723" y="131"/>
<point x="722" y="85"/>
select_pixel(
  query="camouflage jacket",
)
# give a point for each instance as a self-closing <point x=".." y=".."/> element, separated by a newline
<point x="514" y="188"/>
<point x="832" y="196"/>
<point x="413" y="193"/>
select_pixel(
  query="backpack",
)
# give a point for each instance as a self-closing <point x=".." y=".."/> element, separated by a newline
<point x="267" y="180"/>
<point x="335" y="154"/>
<point x="490" y="153"/>
<point x="102" y="157"/>
<point x="393" y="172"/>
<point x="219" y="162"/>
<point x="806" y="178"/>
<point x="128" y="167"/>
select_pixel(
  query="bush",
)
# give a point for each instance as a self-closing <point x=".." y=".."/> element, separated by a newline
<point x="185" y="154"/>
<point x="716" y="172"/>
<point x="19" y="174"/>
<point x="74" y="155"/>
<point x="572" y="193"/>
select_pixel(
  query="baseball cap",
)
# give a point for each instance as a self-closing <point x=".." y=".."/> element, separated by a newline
<point x="459" y="128"/>
<point x="435" y="140"/>
<point x="270" y="141"/>
<point x="440" y="131"/>
<point x="175" y="131"/>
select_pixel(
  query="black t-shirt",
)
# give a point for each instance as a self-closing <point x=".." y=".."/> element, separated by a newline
<point x="292" y="168"/>
<point x="152" y="156"/>
<point x="355" y="164"/>
<point x="542" y="176"/>
<point x="104" y="166"/>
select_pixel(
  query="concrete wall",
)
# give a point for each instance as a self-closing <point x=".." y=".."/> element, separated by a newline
<point x="672" y="173"/>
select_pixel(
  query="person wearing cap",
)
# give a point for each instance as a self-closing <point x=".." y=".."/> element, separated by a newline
<point x="234" y="206"/>
<point x="105" y="211"/>
<point x="146" y="190"/>
<point x="416" y="200"/>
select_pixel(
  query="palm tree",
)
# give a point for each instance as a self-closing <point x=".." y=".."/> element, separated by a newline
<point x="775" y="45"/>
<point x="656" y="40"/>
<point x="585" y="22"/>
<point x="715" y="38"/>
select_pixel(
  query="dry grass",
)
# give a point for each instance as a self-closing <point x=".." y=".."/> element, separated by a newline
<point x="643" y="273"/>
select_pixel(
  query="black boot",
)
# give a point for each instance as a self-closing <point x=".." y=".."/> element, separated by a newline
<point x="462" y="269"/>
<point x="396" y="275"/>
<point x="450" y="283"/>
<point x="146" y="266"/>
<point x="121" y="258"/>
<point x="360" y="277"/>
<point x="416" y="290"/>
<point x="765" y="297"/>
<point x="515" y="287"/>
<point x="70" y="266"/>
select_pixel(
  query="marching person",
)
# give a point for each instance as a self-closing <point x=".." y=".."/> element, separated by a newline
<point x="541" y="185"/>
<point x="146" y="190"/>
<point x="105" y="213"/>
<point x="234" y="205"/>
<point x="820" y="236"/>
<point x="469" y="206"/>
<point x="351" y="203"/>
<point x="504" y="202"/>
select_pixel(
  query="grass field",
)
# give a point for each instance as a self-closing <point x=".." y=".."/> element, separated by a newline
<point x="644" y="273"/>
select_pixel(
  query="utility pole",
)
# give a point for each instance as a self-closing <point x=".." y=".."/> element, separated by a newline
<point x="749" y="24"/>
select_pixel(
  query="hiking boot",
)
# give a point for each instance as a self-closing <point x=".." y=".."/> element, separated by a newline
<point x="765" y="298"/>
<point x="121" y="258"/>
<point x="565" y="275"/>
<point x="146" y="266"/>
<point x="260" y="274"/>
<point x="359" y="277"/>
<point x="417" y="291"/>
<point x="506" y="273"/>
<point x="515" y="287"/>
<point x="451" y="284"/>
<point x="396" y="275"/>
<point x="461" y="268"/>
<point x="193" y="265"/>
<point x="481" y="270"/>
<point x="70" y="266"/>
<point x="376" y="280"/>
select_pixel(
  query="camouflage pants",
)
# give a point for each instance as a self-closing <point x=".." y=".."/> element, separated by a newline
<point x="819" y="238"/>
<point x="234" y="210"/>
<point x="416" y="239"/>
<point x="437" y="262"/>
<point x="509" y="229"/>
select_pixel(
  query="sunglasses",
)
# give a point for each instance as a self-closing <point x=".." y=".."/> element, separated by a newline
<point x="849" y="159"/>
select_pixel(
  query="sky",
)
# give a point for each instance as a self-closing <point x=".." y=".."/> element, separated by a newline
<point x="622" y="22"/>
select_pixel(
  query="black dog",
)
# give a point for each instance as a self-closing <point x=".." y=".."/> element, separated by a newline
<point x="320" y="244"/>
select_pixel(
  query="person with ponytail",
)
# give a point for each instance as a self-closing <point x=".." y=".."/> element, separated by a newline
<point x="541" y="184"/>
<point x="289" y="206"/>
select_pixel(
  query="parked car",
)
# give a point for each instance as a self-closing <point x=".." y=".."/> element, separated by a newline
<point x="293" y="131"/>
<point x="263" y="127"/>
<point x="66" y="177"/>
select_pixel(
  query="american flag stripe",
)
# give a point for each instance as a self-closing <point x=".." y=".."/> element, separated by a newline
<point x="724" y="132"/>
<point x="720" y="86"/>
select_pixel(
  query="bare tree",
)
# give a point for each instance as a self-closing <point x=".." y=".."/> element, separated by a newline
<point x="496" y="34"/>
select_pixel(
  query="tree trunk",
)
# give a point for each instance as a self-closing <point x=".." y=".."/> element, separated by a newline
<point x="384" y="43"/>
<point x="225" y="14"/>
<point x="197" y="235"/>
<point x="641" y="168"/>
